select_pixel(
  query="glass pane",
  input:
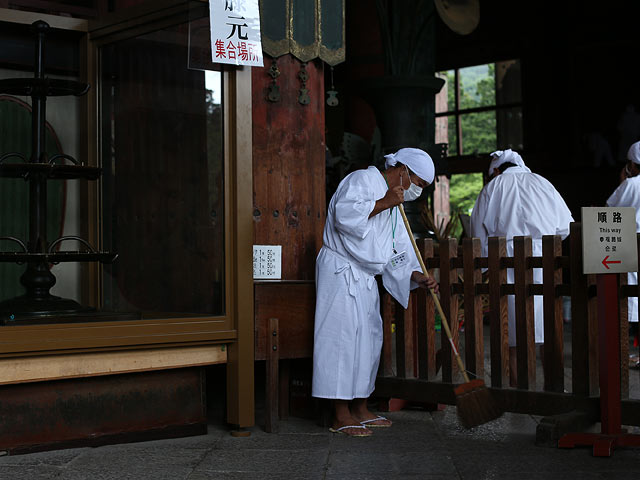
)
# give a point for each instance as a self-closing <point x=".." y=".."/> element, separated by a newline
<point x="453" y="144"/>
<point x="477" y="86"/>
<point x="478" y="131"/>
<point x="445" y="98"/>
<point x="508" y="82"/>
<point x="163" y="200"/>
<point x="64" y="132"/>
<point x="509" y="129"/>
<point x="463" y="190"/>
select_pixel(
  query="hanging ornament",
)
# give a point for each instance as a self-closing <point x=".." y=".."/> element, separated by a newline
<point x="303" y="98"/>
<point x="273" y="95"/>
<point x="332" y="101"/>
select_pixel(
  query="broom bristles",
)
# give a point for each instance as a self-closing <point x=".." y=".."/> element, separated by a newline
<point x="475" y="404"/>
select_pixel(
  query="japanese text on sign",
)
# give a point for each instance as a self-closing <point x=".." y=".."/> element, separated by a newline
<point x="267" y="261"/>
<point x="235" y="32"/>
<point x="609" y="239"/>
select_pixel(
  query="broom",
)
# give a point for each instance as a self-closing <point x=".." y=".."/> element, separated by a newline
<point x="473" y="399"/>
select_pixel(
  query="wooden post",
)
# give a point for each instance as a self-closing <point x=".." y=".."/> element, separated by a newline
<point x="525" y="331"/>
<point x="404" y="339"/>
<point x="584" y="354"/>
<point x="449" y="303"/>
<point x="271" y="381"/>
<point x="553" y="326"/>
<point x="623" y="327"/>
<point x="386" y="359"/>
<point x="474" y="341"/>
<point x="611" y="436"/>
<point x="284" y="380"/>
<point x="498" y="313"/>
<point x="425" y="319"/>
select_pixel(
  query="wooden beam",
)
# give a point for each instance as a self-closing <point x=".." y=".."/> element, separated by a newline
<point x="56" y="367"/>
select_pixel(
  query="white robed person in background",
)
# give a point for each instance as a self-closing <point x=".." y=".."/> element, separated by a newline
<point x="628" y="195"/>
<point x="517" y="202"/>
<point x="364" y="236"/>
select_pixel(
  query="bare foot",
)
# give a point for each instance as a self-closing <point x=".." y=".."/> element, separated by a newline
<point x="373" y="420"/>
<point x="351" y="429"/>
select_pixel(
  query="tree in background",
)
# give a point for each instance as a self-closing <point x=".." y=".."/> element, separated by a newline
<point x="478" y="130"/>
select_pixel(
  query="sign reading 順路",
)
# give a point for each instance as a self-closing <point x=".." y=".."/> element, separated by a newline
<point x="235" y="32"/>
<point x="609" y="239"/>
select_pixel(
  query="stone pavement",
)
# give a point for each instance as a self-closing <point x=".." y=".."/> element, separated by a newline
<point x="420" y="445"/>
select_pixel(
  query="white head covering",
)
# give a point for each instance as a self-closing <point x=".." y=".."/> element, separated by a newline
<point x="506" y="156"/>
<point x="634" y="153"/>
<point x="418" y="161"/>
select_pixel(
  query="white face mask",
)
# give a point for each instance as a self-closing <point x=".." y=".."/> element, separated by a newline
<point x="413" y="192"/>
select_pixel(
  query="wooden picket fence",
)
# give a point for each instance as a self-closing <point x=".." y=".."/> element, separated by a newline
<point x="409" y="367"/>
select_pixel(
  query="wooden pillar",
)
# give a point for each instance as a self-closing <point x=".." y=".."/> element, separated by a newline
<point x="425" y="319"/>
<point x="623" y="327"/>
<point x="553" y="326"/>
<point x="272" y="381"/>
<point x="289" y="206"/>
<point x="474" y="341"/>
<point x="584" y="326"/>
<point x="386" y="358"/>
<point x="449" y="303"/>
<point x="498" y="313"/>
<point x="525" y="327"/>
<point x="404" y="339"/>
<point x="240" y="373"/>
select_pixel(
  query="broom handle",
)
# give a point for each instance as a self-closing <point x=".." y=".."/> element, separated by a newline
<point x="445" y="324"/>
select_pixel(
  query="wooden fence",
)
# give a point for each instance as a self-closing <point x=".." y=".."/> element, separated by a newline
<point x="416" y="367"/>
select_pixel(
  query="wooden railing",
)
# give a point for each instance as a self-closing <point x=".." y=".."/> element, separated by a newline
<point x="417" y="362"/>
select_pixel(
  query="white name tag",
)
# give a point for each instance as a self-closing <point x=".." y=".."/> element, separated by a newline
<point x="398" y="260"/>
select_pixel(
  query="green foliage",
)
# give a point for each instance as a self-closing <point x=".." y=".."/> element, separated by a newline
<point x="463" y="191"/>
<point x="478" y="130"/>
<point x="477" y="89"/>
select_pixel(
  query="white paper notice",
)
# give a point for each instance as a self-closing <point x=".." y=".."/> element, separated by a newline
<point x="267" y="262"/>
<point x="235" y="32"/>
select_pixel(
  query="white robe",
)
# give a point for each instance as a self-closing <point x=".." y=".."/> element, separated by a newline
<point x="520" y="203"/>
<point x="348" y="325"/>
<point x="628" y="195"/>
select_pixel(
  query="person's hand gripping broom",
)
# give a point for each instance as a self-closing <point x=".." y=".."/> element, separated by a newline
<point x="473" y="399"/>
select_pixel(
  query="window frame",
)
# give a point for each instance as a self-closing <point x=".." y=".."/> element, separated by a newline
<point x="470" y="163"/>
<point x="166" y="330"/>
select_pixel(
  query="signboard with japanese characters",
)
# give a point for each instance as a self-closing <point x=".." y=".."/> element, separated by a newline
<point x="609" y="239"/>
<point x="267" y="262"/>
<point x="235" y="32"/>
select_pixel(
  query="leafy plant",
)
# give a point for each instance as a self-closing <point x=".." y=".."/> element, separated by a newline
<point x="442" y="230"/>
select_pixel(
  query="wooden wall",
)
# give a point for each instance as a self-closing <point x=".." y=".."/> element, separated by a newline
<point x="289" y="166"/>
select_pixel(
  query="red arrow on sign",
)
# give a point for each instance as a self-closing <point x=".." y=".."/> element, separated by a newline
<point x="605" y="262"/>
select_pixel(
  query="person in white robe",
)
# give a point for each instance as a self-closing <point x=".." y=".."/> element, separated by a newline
<point x="364" y="236"/>
<point x="517" y="202"/>
<point x="628" y="195"/>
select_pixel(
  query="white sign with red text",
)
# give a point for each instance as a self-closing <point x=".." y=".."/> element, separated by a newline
<point x="235" y="32"/>
<point x="609" y="239"/>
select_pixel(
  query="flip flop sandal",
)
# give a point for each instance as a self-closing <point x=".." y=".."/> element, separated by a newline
<point x="369" y="423"/>
<point x="359" y="427"/>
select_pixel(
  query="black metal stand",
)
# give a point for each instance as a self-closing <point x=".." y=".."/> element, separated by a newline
<point x="38" y="253"/>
